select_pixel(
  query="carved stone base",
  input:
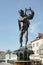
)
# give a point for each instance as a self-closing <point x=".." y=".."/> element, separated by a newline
<point x="22" y="62"/>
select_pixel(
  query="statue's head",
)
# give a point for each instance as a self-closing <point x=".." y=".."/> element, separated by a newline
<point x="21" y="12"/>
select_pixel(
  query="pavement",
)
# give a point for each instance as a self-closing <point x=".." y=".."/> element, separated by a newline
<point x="3" y="63"/>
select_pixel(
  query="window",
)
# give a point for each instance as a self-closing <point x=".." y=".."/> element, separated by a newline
<point x="37" y="44"/>
<point x="33" y="45"/>
<point x="41" y="51"/>
<point x="37" y="51"/>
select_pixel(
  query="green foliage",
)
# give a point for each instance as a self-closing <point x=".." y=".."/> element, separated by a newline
<point x="8" y="51"/>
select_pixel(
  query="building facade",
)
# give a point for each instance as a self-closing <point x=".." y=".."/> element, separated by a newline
<point x="5" y="56"/>
<point x="2" y="56"/>
<point x="10" y="56"/>
<point x="37" y="47"/>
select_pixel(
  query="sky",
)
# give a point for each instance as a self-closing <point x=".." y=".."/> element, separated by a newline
<point x="9" y="30"/>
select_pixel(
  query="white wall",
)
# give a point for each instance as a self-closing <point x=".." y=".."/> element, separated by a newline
<point x="2" y="55"/>
<point x="11" y="57"/>
<point x="36" y="45"/>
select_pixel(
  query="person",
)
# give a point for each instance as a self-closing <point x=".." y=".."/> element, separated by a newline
<point x="24" y="23"/>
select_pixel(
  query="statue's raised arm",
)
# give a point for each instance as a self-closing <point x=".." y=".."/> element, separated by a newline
<point x="29" y="16"/>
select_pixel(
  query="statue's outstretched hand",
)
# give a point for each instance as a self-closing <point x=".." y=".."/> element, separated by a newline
<point x="30" y="8"/>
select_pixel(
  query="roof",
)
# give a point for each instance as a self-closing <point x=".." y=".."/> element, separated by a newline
<point x="40" y="36"/>
<point x="2" y="52"/>
<point x="29" y="46"/>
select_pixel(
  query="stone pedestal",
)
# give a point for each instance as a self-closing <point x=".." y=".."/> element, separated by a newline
<point x="22" y="62"/>
<point x="23" y="56"/>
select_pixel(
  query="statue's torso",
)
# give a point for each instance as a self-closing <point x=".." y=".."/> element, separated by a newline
<point x="24" y="24"/>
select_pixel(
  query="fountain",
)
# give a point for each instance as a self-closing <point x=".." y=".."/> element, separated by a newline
<point x="23" y="53"/>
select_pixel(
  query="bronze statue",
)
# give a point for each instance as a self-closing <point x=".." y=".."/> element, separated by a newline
<point x="24" y="23"/>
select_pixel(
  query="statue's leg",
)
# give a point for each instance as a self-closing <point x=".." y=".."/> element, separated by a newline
<point x="21" y="36"/>
<point x="26" y="36"/>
